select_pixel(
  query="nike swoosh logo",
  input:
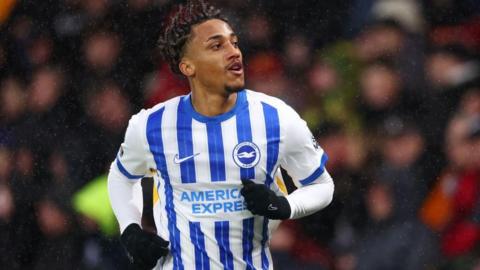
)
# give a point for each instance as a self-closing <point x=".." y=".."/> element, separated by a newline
<point x="178" y="160"/>
<point x="272" y="208"/>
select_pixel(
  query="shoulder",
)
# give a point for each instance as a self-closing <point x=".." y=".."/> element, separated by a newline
<point x="141" y="117"/>
<point x="284" y="110"/>
<point x="261" y="98"/>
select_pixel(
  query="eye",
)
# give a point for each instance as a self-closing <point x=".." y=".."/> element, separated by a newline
<point x="216" y="46"/>
<point x="235" y="44"/>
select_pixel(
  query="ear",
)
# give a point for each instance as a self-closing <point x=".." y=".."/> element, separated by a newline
<point x="186" y="67"/>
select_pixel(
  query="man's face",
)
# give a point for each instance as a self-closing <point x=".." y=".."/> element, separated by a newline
<point x="214" y="56"/>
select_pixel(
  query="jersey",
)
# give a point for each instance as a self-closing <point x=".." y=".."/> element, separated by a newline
<point x="198" y="163"/>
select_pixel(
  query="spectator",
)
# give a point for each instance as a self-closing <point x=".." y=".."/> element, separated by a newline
<point x="451" y="70"/>
<point x="60" y="246"/>
<point x="107" y="111"/>
<point x="40" y="51"/>
<point x="330" y="97"/>
<point x="47" y="113"/>
<point x="101" y="51"/>
<point x="12" y="108"/>
<point x="23" y="225"/>
<point x="402" y="165"/>
<point x="450" y="208"/>
<point x="388" y="38"/>
<point x="403" y="245"/>
<point x="7" y="205"/>
<point x="383" y="95"/>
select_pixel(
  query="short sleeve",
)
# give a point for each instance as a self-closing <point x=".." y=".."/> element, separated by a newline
<point x="132" y="156"/>
<point x="303" y="157"/>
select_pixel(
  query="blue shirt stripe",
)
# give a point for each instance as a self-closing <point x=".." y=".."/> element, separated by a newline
<point x="222" y="236"/>
<point x="215" y="151"/>
<point x="319" y="171"/>
<point x="185" y="144"/>
<point x="265" y="262"/>
<point x="244" y="134"/>
<point x="272" y="126"/>
<point x="226" y="240"/>
<point x="155" y="141"/>
<point x="247" y="242"/>
<point x="125" y="172"/>
<point x="202" y="262"/>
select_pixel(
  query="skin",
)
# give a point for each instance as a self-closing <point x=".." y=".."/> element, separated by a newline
<point x="209" y="55"/>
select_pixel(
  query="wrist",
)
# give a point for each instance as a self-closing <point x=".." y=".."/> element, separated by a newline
<point x="293" y="208"/>
<point x="285" y="210"/>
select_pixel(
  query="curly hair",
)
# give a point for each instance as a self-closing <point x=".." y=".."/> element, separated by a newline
<point x="177" y="31"/>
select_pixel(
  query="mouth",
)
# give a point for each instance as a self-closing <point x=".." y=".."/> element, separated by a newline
<point x="236" y="68"/>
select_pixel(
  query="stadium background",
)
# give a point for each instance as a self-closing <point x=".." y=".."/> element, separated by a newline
<point x="389" y="87"/>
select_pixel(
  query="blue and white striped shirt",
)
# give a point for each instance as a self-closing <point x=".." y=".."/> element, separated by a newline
<point x="199" y="162"/>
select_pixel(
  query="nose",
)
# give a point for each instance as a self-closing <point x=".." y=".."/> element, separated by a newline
<point x="233" y="51"/>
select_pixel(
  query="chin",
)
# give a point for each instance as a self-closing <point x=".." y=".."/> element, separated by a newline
<point x="231" y="89"/>
<point x="235" y="87"/>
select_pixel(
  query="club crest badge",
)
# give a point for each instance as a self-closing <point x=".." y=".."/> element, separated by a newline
<point x="246" y="155"/>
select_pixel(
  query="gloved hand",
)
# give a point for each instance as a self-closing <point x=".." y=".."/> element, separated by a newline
<point x="143" y="248"/>
<point x="262" y="201"/>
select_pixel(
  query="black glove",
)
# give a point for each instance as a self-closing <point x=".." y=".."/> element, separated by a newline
<point x="143" y="248"/>
<point x="262" y="201"/>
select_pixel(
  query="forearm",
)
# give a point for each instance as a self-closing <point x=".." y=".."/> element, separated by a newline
<point x="125" y="198"/>
<point x="310" y="199"/>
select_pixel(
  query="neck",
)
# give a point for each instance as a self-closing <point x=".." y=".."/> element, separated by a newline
<point x="212" y="104"/>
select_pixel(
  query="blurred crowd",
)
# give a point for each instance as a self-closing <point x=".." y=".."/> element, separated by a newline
<point x="390" y="89"/>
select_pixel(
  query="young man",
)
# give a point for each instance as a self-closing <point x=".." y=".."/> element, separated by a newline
<point x="213" y="154"/>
